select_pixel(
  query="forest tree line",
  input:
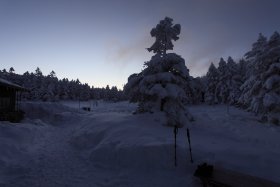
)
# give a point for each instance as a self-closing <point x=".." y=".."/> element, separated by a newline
<point x="253" y="83"/>
<point x="50" y="88"/>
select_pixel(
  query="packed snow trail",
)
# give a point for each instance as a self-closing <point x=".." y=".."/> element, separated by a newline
<point x="53" y="162"/>
<point x="57" y="145"/>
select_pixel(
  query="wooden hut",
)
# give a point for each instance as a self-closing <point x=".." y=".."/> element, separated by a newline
<point x="9" y="101"/>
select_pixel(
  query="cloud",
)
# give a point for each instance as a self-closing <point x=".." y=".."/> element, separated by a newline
<point x="201" y="47"/>
<point x="123" y="53"/>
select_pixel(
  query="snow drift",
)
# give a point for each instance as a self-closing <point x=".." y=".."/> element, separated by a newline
<point x="58" y="145"/>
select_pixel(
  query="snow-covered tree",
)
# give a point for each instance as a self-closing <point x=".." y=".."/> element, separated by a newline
<point x="160" y="86"/>
<point x="260" y="92"/>
<point x="50" y="88"/>
<point x="195" y="90"/>
<point x="164" y="33"/>
<point x="267" y="96"/>
<point x="4" y="71"/>
<point x="11" y="70"/>
<point x="234" y="81"/>
<point x="52" y="74"/>
<point x="271" y="98"/>
<point x="38" y="72"/>
<point x="131" y="88"/>
<point x="212" y="79"/>
<point x="242" y="69"/>
<point x="251" y="76"/>
<point x="255" y="54"/>
<point x="222" y="89"/>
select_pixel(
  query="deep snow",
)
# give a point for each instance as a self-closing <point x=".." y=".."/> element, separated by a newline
<point x="59" y="145"/>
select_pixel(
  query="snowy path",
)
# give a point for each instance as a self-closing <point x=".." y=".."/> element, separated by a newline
<point x="53" y="162"/>
<point x="109" y="147"/>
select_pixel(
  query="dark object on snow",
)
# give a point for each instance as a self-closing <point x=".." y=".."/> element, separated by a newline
<point x="10" y="95"/>
<point x="218" y="177"/>
<point x="189" y="141"/>
<point x="86" y="108"/>
<point x="175" y="131"/>
<point x="204" y="170"/>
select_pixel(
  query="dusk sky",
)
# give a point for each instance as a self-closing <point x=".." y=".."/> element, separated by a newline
<point x="103" y="42"/>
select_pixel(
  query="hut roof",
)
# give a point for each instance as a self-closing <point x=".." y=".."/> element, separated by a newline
<point x="9" y="84"/>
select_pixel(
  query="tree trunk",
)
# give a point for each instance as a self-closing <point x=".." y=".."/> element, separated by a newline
<point x="162" y="102"/>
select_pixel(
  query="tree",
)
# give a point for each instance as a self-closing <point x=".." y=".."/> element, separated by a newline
<point x="50" y="88"/>
<point x="212" y="78"/>
<point x="11" y="70"/>
<point x="164" y="32"/>
<point x="38" y="72"/>
<point x="255" y="55"/>
<point x="131" y="88"/>
<point x="160" y="86"/>
<point x="52" y="74"/>
<point x="266" y="97"/>
<point x="242" y="69"/>
<point x="260" y="91"/>
<point x="234" y="81"/>
<point x="195" y="90"/>
<point x="222" y="89"/>
<point x="251" y="82"/>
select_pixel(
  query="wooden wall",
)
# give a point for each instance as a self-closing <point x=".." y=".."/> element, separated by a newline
<point x="7" y="99"/>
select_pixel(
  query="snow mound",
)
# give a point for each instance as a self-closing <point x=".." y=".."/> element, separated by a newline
<point x="15" y="141"/>
<point x="15" y="137"/>
<point x="101" y="106"/>
<point x="135" y="141"/>
<point x="48" y="112"/>
<point x="110" y="146"/>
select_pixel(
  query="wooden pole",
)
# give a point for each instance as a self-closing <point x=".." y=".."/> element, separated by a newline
<point x="175" y="146"/>
<point x="190" y="148"/>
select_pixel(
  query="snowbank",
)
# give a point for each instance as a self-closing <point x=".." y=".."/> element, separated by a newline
<point x="234" y="140"/>
<point x="58" y="145"/>
<point x="16" y="142"/>
<point x="133" y="141"/>
<point x="48" y="112"/>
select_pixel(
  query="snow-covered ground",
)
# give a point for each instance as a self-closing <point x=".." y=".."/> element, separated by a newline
<point x="59" y="145"/>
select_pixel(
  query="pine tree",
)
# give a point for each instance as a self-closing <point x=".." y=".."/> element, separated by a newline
<point x="52" y="74"/>
<point x="260" y="92"/>
<point x="164" y="33"/>
<point x="222" y="89"/>
<point x="11" y="70"/>
<point x="255" y="55"/>
<point x="212" y="79"/>
<point x="251" y="83"/>
<point x="242" y="69"/>
<point x="131" y="88"/>
<point x="38" y="72"/>
<point x="269" y="94"/>
<point x="160" y="86"/>
<point x="195" y="90"/>
<point x="234" y="81"/>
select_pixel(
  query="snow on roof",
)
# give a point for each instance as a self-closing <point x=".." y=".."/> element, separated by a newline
<point x="11" y="85"/>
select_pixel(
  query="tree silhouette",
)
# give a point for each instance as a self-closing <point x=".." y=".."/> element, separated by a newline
<point x="12" y="70"/>
<point x="160" y="85"/>
<point x="164" y="33"/>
